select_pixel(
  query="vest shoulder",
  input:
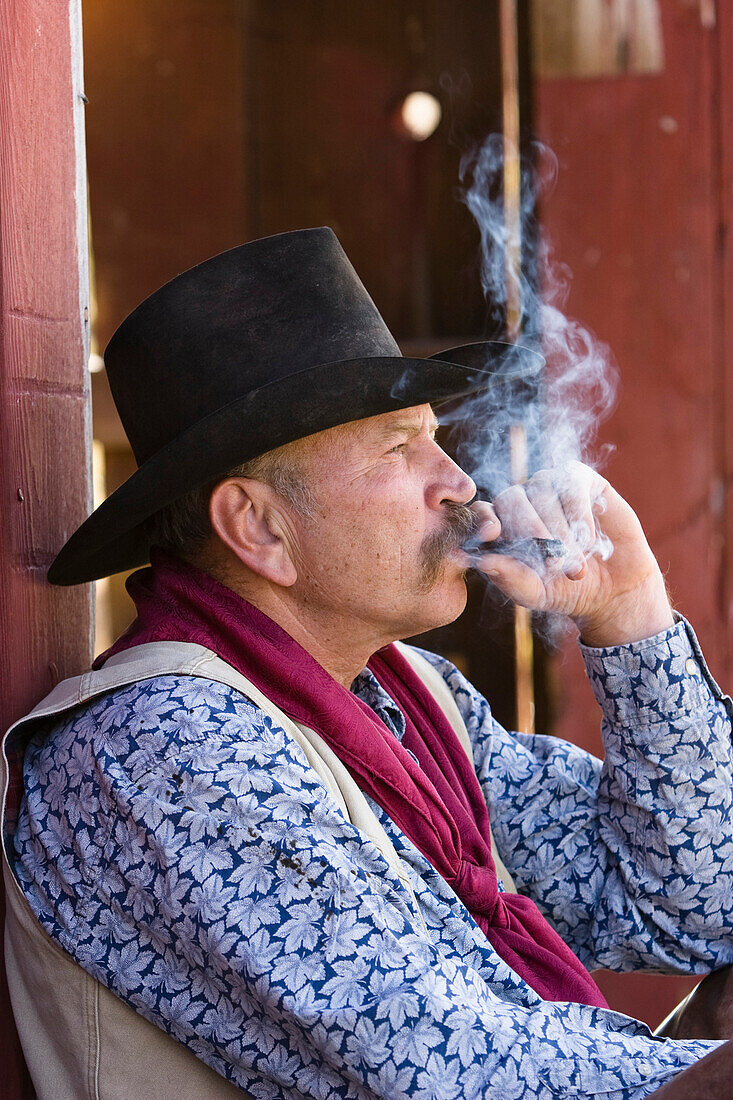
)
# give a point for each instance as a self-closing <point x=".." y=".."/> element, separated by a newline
<point x="424" y="659"/>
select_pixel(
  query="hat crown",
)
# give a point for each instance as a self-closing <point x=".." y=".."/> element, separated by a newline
<point x="247" y="318"/>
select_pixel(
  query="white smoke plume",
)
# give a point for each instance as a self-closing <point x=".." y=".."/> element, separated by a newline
<point x="562" y="404"/>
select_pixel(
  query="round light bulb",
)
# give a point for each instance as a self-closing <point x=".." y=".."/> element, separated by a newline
<point x="420" y="114"/>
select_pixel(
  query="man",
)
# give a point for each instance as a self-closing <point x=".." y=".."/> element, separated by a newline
<point x="306" y="853"/>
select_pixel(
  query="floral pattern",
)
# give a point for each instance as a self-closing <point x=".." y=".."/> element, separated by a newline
<point x="174" y="840"/>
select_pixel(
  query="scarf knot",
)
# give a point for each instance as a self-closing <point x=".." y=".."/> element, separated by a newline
<point x="478" y="890"/>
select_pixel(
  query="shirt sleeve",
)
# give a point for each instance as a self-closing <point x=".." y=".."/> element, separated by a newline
<point x="177" y="844"/>
<point x="631" y="859"/>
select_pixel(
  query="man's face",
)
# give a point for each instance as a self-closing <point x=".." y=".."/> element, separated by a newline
<point x="381" y="552"/>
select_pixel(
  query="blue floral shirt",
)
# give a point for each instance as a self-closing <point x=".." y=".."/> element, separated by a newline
<point x="175" y="842"/>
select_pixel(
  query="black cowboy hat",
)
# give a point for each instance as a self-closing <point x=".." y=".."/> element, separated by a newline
<point x="259" y="346"/>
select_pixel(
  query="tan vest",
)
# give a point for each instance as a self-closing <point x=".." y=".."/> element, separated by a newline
<point x="79" y="1040"/>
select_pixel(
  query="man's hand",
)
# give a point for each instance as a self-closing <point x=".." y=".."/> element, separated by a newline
<point x="608" y="583"/>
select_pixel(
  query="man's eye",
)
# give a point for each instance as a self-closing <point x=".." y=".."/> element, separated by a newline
<point x="398" y="447"/>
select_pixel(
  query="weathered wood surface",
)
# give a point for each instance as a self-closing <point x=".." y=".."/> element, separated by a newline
<point x="44" y="401"/>
<point x="166" y="131"/>
<point x="641" y="215"/>
<point x="723" y="312"/>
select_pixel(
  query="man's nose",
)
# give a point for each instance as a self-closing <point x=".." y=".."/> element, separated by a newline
<point x="453" y="484"/>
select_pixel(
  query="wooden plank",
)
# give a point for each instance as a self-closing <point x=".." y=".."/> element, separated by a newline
<point x="44" y="402"/>
<point x="321" y="148"/>
<point x="44" y="379"/>
<point x="643" y="191"/>
<point x="722" y="106"/>
<point x="165" y="127"/>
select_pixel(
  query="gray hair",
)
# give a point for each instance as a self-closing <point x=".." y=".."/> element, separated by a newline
<point x="183" y="527"/>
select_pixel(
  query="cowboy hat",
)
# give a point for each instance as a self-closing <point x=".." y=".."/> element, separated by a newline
<point x="254" y="348"/>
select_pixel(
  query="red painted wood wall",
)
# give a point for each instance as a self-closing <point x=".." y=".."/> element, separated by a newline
<point x="44" y="398"/>
<point x="642" y="216"/>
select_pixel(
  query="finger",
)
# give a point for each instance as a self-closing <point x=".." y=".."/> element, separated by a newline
<point x="519" y="582"/>
<point x="517" y="516"/>
<point x="520" y="520"/>
<point x="543" y="495"/>
<point x="488" y="526"/>
<point x="576" y="489"/>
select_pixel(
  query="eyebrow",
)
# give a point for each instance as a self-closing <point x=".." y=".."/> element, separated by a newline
<point x="410" y="428"/>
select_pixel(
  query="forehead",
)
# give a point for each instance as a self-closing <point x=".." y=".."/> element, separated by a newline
<point x="387" y="424"/>
<point x="361" y="437"/>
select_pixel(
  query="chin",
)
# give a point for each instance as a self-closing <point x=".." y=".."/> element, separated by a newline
<point x="444" y="602"/>
<point x="451" y="611"/>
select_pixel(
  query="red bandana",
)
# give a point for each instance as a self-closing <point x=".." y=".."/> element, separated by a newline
<point x="436" y="802"/>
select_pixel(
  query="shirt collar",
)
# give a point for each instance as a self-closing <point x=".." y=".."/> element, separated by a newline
<point x="367" y="688"/>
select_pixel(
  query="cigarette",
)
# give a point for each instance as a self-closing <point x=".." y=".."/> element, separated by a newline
<point x="524" y="549"/>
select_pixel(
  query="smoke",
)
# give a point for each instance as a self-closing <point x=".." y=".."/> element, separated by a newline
<point x="561" y="405"/>
<point x="535" y="414"/>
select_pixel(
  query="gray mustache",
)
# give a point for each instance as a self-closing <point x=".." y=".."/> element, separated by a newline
<point x="460" y="524"/>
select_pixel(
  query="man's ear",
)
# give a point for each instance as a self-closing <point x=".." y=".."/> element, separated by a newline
<point x="244" y="519"/>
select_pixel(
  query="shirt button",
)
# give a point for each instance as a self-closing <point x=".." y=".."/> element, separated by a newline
<point x="691" y="666"/>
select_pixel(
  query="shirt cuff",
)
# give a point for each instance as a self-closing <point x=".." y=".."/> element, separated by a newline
<point x="655" y="680"/>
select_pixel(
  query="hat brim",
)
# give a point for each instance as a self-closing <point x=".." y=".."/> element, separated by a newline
<point x="114" y="537"/>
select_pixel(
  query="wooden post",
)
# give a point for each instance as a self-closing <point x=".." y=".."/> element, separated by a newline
<point x="723" y="315"/>
<point x="44" y="391"/>
<point x="523" y="640"/>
